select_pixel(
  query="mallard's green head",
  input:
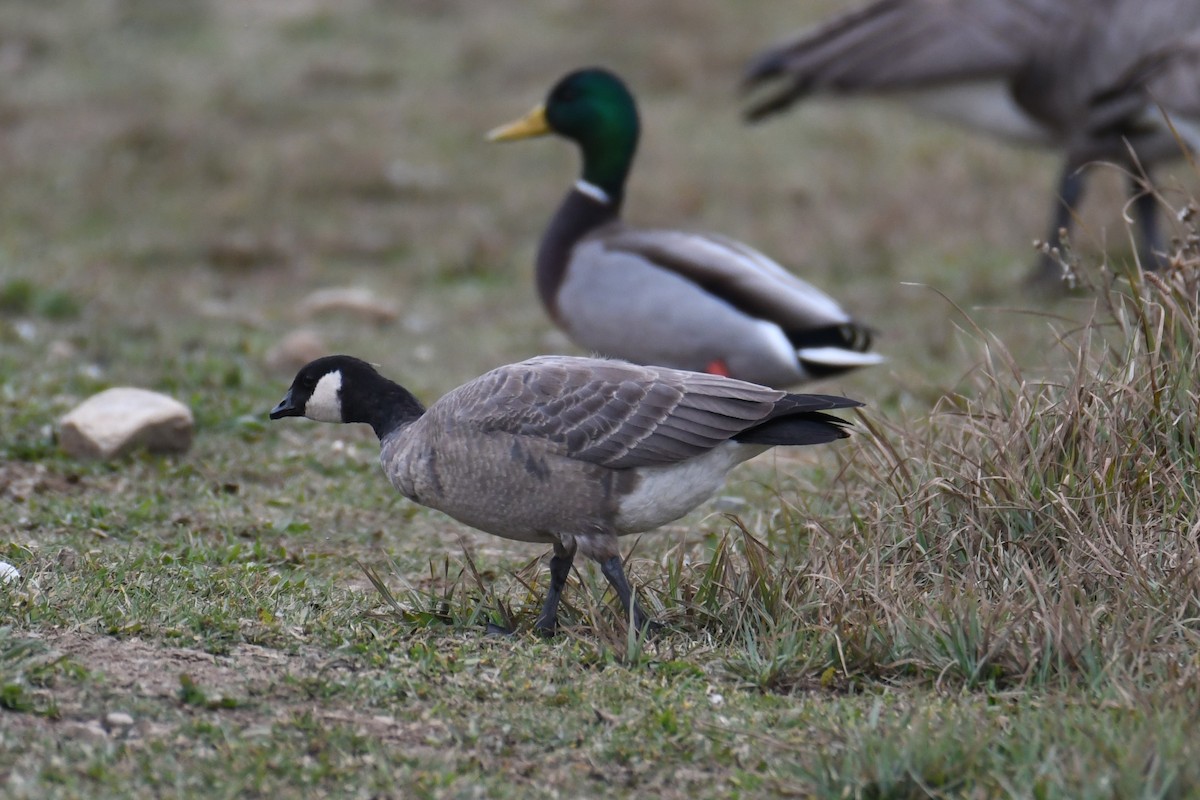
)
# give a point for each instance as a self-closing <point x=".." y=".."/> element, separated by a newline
<point x="595" y="109"/>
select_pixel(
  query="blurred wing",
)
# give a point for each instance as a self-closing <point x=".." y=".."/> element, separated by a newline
<point x="896" y="45"/>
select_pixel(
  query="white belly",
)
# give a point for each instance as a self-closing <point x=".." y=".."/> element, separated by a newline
<point x="665" y="494"/>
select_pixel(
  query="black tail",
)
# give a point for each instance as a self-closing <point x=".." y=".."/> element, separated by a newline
<point x="798" y="419"/>
<point x="850" y="335"/>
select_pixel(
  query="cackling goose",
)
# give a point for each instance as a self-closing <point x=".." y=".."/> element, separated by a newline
<point x="572" y="452"/>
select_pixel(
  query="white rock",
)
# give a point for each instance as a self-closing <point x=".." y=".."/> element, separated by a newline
<point x="295" y="350"/>
<point x="118" y="420"/>
<point x="351" y="300"/>
<point x="118" y="719"/>
<point x="8" y="573"/>
<point x="91" y="729"/>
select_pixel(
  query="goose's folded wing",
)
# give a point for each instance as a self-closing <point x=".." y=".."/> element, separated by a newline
<point x="734" y="272"/>
<point x="895" y="45"/>
<point x="612" y="413"/>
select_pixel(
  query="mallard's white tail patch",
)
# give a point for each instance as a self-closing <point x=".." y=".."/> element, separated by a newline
<point x="839" y="357"/>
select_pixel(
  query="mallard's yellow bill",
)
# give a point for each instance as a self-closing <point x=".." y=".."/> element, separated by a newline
<point x="532" y="124"/>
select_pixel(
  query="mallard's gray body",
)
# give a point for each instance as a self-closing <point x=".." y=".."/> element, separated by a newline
<point x="689" y="300"/>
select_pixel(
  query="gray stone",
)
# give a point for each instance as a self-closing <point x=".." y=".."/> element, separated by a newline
<point x="295" y="350"/>
<point x="355" y="301"/>
<point x="118" y="719"/>
<point x="118" y="420"/>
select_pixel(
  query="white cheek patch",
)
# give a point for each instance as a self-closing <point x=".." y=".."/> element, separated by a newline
<point x="325" y="404"/>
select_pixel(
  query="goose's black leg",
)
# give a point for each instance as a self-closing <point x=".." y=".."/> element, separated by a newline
<point x="614" y="571"/>
<point x="560" y="570"/>
<point x="1070" y="192"/>
<point x="1145" y="210"/>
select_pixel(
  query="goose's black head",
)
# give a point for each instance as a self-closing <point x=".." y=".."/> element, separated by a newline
<point x="347" y="389"/>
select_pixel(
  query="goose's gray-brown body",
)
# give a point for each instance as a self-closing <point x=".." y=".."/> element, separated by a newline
<point x="1091" y="78"/>
<point x="573" y="452"/>
<point x="672" y="298"/>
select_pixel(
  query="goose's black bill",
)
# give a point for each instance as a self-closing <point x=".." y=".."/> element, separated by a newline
<point x="286" y="408"/>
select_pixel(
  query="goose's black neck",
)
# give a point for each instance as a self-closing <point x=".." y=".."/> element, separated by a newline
<point x="385" y="406"/>
<point x="579" y="213"/>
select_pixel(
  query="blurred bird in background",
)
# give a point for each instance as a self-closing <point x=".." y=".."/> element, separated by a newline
<point x="1110" y="80"/>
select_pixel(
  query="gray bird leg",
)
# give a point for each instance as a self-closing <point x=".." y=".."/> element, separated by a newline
<point x="1145" y="211"/>
<point x="560" y="570"/>
<point x="1070" y="192"/>
<point x="614" y="571"/>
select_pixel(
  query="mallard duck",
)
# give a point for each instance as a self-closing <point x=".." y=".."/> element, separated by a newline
<point x="684" y="300"/>
<point x="1091" y="78"/>
<point x="571" y="452"/>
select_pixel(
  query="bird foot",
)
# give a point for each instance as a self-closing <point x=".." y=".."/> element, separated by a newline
<point x="648" y="626"/>
<point x="498" y="630"/>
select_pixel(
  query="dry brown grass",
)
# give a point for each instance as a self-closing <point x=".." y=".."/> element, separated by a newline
<point x="990" y="589"/>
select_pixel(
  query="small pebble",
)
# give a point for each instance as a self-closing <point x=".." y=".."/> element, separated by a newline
<point x="62" y="350"/>
<point x="118" y="719"/>
<point x="355" y="301"/>
<point x="8" y="573"/>
<point x="295" y="350"/>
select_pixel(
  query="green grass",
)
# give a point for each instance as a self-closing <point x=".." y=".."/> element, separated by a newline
<point x="990" y="590"/>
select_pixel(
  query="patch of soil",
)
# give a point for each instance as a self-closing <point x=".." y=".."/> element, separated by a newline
<point x="126" y="673"/>
<point x="134" y="666"/>
<point x="21" y="480"/>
